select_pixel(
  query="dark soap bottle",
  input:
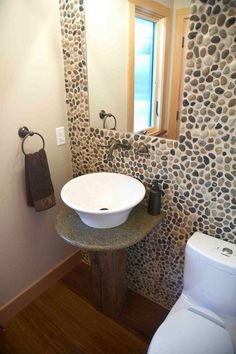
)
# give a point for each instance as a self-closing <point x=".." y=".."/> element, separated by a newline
<point x="154" y="205"/>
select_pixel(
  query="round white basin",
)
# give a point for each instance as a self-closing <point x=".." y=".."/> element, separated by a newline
<point x="103" y="200"/>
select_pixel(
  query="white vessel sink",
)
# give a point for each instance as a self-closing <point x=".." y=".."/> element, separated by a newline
<point x="103" y="200"/>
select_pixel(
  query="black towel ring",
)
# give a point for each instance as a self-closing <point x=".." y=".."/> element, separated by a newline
<point x="24" y="133"/>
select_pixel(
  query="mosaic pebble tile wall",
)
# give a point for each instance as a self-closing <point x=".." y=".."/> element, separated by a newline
<point x="198" y="173"/>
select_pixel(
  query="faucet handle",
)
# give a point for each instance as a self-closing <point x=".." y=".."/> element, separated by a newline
<point x="142" y="150"/>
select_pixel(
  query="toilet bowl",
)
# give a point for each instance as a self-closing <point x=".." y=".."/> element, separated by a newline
<point x="188" y="333"/>
<point x="203" y="320"/>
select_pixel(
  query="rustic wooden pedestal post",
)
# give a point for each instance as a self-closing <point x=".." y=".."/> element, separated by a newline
<point x="109" y="281"/>
<point x="108" y="252"/>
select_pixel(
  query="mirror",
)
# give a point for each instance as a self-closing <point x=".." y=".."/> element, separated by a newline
<point x="136" y="60"/>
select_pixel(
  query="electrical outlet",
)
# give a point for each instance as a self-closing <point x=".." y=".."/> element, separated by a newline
<point x="60" y="135"/>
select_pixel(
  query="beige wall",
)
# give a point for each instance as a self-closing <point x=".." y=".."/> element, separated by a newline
<point x="181" y="4"/>
<point x="168" y="3"/>
<point x="31" y="94"/>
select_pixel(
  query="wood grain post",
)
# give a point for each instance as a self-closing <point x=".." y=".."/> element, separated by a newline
<point x="109" y="281"/>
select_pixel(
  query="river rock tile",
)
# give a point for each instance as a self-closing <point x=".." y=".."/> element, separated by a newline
<point x="197" y="174"/>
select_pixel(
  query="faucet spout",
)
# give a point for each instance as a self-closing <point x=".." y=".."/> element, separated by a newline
<point x="116" y="144"/>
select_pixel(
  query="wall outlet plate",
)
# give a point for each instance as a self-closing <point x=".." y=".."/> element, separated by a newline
<point x="60" y="135"/>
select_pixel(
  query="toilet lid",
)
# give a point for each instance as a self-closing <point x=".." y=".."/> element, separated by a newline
<point x="186" y="332"/>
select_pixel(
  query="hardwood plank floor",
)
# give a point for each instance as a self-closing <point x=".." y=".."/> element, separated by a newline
<point x="142" y="316"/>
<point x="60" y="321"/>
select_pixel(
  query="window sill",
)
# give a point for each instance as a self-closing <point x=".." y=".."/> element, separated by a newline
<point x="156" y="132"/>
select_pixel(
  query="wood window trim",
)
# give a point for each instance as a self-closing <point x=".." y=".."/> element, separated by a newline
<point x="150" y="7"/>
<point x="156" y="132"/>
<point x="181" y="16"/>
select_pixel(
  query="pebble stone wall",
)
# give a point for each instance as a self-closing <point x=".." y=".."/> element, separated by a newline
<point x="198" y="173"/>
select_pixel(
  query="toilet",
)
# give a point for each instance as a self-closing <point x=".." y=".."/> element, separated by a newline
<point x="203" y="320"/>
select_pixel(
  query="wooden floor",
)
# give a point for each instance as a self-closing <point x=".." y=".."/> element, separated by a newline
<point x="63" y="320"/>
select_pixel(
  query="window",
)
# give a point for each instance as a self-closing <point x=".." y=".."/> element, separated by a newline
<point x="143" y="82"/>
<point x="149" y="25"/>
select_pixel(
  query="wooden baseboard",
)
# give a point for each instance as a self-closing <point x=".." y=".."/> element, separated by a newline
<point x="38" y="287"/>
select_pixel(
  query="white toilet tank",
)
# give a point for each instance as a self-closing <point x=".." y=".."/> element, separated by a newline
<point x="210" y="274"/>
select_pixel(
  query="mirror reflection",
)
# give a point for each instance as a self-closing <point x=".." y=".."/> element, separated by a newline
<point x="136" y="53"/>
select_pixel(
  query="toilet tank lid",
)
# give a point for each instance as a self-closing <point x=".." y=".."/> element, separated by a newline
<point x="185" y="332"/>
<point x="221" y="254"/>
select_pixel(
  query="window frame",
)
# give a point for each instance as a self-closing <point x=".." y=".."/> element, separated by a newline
<point x="154" y="11"/>
<point x="153" y="70"/>
<point x="180" y="16"/>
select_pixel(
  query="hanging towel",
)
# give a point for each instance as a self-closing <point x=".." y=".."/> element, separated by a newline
<point x="39" y="188"/>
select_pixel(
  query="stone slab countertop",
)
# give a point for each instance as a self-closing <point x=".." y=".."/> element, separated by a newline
<point x="70" y="227"/>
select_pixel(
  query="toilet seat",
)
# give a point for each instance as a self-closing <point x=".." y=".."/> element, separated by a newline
<point x="187" y="332"/>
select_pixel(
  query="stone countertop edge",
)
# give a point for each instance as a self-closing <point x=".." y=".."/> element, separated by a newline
<point x="70" y="227"/>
